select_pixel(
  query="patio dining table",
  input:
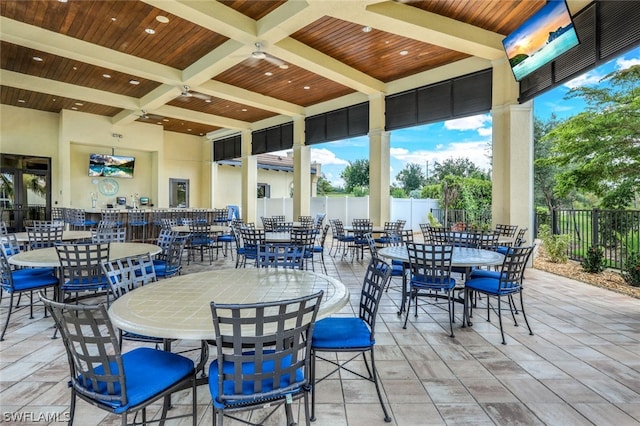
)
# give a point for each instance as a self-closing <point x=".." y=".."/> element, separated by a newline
<point x="462" y="257"/>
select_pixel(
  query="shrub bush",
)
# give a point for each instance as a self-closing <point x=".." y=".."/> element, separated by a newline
<point x="594" y="260"/>
<point x="555" y="245"/>
<point x="631" y="270"/>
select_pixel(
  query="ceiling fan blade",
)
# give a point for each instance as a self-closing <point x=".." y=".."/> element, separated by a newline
<point x="201" y="96"/>
<point x="274" y="60"/>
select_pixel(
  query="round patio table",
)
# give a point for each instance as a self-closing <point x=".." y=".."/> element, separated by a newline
<point x="23" y="237"/>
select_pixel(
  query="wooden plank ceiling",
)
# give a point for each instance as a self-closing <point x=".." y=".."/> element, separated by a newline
<point x="195" y="67"/>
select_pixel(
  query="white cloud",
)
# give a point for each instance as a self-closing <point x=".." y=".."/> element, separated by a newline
<point x="479" y="123"/>
<point x="485" y="131"/>
<point x="586" y="79"/>
<point x="326" y="157"/>
<point x="439" y="146"/>
<point x="624" y="63"/>
<point x="474" y="151"/>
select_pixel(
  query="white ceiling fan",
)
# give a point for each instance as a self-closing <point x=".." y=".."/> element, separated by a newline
<point x="261" y="54"/>
<point x="186" y="92"/>
<point x="146" y="116"/>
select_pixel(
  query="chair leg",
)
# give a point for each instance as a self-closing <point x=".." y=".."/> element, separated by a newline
<point x="6" y="323"/>
<point x="504" y="342"/>
<point x="312" y="380"/>
<point x="374" y="376"/>
<point x="524" y="315"/>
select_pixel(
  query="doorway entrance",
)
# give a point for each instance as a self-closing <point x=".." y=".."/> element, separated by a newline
<point x="179" y="193"/>
<point x="25" y="190"/>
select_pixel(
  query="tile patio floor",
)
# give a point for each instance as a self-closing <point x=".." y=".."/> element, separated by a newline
<point x="581" y="367"/>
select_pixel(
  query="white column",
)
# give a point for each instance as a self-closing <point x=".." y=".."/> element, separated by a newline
<point x="379" y="162"/>
<point x="249" y="179"/>
<point x="301" y="171"/>
<point x="512" y="150"/>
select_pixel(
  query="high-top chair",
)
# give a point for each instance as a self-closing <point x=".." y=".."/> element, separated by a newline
<point x="352" y="334"/>
<point x="137" y="224"/>
<point x="280" y="255"/>
<point x="44" y="236"/>
<point x="78" y="219"/>
<point x="263" y="356"/>
<point x="80" y="268"/>
<point x="103" y="376"/>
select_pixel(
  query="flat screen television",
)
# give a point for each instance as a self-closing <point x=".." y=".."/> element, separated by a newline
<point x="540" y="39"/>
<point x="111" y="165"/>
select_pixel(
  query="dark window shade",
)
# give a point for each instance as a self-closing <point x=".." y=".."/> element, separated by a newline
<point x="228" y="148"/>
<point x="359" y="119"/>
<point x="338" y="124"/>
<point x="435" y="102"/>
<point x="286" y="139"/>
<point x="401" y="110"/>
<point x="605" y="29"/>
<point x="272" y="139"/>
<point x="619" y="26"/>
<point x="258" y="142"/>
<point x="472" y="94"/>
<point x="454" y="98"/>
<point x="314" y="129"/>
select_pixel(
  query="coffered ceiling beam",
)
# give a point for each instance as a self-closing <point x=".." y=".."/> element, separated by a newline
<point x="201" y="117"/>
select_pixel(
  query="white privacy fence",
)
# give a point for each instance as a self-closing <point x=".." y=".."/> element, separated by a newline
<point x="414" y="211"/>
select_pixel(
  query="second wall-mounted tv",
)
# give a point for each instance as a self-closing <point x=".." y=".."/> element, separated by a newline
<point x="111" y="165"/>
<point x="540" y="39"/>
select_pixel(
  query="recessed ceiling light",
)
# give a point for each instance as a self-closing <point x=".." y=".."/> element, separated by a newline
<point x="244" y="110"/>
<point x="75" y="68"/>
<point x="106" y="75"/>
<point x="165" y="119"/>
<point x="134" y="82"/>
<point x="188" y="130"/>
<point x="62" y="1"/>
<point x="404" y="52"/>
<point x="283" y="66"/>
<point x="74" y="108"/>
<point x="159" y="122"/>
<point x="307" y="87"/>
<point x="150" y="31"/>
<point x="208" y="101"/>
<point x="79" y="103"/>
<point x="38" y="59"/>
<point x="162" y="19"/>
<point x="366" y="29"/>
<point x="21" y="101"/>
<point x="201" y="134"/>
<point x="114" y="19"/>
<point x="268" y="73"/>
<point x="54" y="99"/>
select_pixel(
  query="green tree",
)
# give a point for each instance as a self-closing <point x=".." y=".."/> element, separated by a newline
<point x="356" y="175"/>
<point x="324" y="186"/>
<point x="462" y="167"/>
<point x="544" y="175"/>
<point x="411" y="177"/>
<point x="599" y="149"/>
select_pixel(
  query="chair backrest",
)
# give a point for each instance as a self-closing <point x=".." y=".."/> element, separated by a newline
<point x="273" y="337"/>
<point x="462" y="239"/>
<point x="372" y="244"/>
<point x="6" y="276"/>
<point x="93" y="350"/>
<point x="303" y="237"/>
<point x="44" y="236"/>
<point x="167" y="223"/>
<point x="306" y="221"/>
<point x="110" y="215"/>
<point x="318" y="220"/>
<point x="267" y="223"/>
<point x="109" y="235"/>
<point x="142" y="268"/>
<point x="252" y="237"/>
<point x="106" y="224"/>
<point x="10" y="245"/>
<point x="375" y="280"/>
<point x="57" y="214"/>
<point x="165" y="236"/>
<point x="487" y="240"/>
<point x="507" y="230"/>
<point x="173" y="256"/>
<point x="513" y="266"/>
<point x="361" y="227"/>
<point x="128" y="274"/>
<point x="221" y="215"/>
<point x="3" y="228"/>
<point x="438" y="234"/>
<point x="430" y="262"/>
<point x="80" y="265"/>
<point x="337" y="228"/>
<point x="400" y="224"/>
<point x="406" y="236"/>
<point x="520" y="237"/>
<point x="199" y="232"/>
<point x="323" y="236"/>
<point x="280" y="255"/>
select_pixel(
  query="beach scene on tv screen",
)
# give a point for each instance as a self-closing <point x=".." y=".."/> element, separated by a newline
<point x="111" y="165"/>
<point x="545" y="36"/>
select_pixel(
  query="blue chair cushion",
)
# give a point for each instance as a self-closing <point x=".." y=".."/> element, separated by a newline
<point x="28" y="272"/>
<point x="247" y="386"/>
<point x="95" y="283"/>
<point x="341" y="333"/>
<point x="148" y="372"/>
<point x="201" y="241"/>
<point x="162" y="270"/>
<point x="226" y="238"/>
<point x="22" y="282"/>
<point x="397" y="262"/>
<point x="422" y="282"/>
<point x="491" y="286"/>
<point x="502" y="249"/>
<point x="346" y="239"/>
<point x="396" y="270"/>
<point x="483" y="273"/>
<point x="318" y="249"/>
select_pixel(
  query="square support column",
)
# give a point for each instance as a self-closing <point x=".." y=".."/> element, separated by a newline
<point x="379" y="163"/>
<point x="249" y="179"/>
<point x="301" y="171"/>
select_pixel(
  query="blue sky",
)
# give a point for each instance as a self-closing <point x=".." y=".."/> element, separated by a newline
<point x="468" y="137"/>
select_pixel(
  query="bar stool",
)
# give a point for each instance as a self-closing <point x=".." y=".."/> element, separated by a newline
<point x="137" y="220"/>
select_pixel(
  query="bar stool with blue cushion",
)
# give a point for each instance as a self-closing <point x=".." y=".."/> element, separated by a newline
<point x="137" y="221"/>
<point x="80" y="268"/>
<point x="22" y="281"/>
<point x="120" y="383"/>
<point x="263" y="357"/>
<point x="352" y="334"/>
<point x="78" y="219"/>
<point x="505" y="282"/>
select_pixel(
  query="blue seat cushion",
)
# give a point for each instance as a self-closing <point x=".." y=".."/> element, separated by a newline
<point x="248" y="385"/>
<point x="340" y="333"/>
<point x="492" y="286"/>
<point x="95" y="283"/>
<point x="201" y="241"/>
<point x="424" y="282"/>
<point x="148" y="372"/>
<point x="396" y="270"/>
<point x="23" y="282"/>
<point x="483" y="273"/>
<point x="162" y="270"/>
<point x="346" y="239"/>
<point x="226" y="238"/>
<point x="27" y="272"/>
<point x="503" y="249"/>
<point x="318" y="249"/>
<point x="397" y="262"/>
